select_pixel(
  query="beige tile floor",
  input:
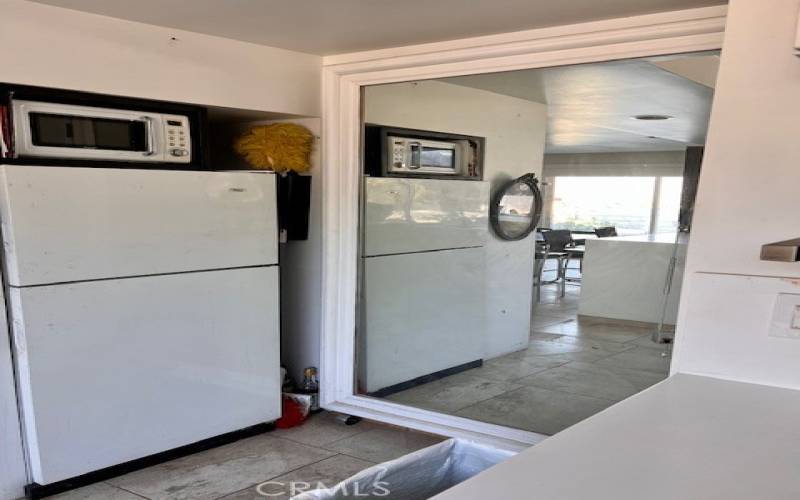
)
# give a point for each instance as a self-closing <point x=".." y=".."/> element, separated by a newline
<point x="322" y="450"/>
<point x="573" y="368"/>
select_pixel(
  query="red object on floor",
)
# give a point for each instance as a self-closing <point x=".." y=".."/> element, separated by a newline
<point x="294" y="413"/>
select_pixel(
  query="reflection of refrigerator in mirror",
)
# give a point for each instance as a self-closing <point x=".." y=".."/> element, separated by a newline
<point x="675" y="269"/>
<point x="424" y="279"/>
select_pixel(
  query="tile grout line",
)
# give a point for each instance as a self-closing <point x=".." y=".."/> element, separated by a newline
<point x="359" y="458"/>
<point x="403" y="429"/>
<point x="279" y="475"/>
<point x="349" y="437"/>
<point x="127" y="490"/>
<point x="306" y="444"/>
<point x="614" y="400"/>
<point x="518" y="386"/>
<point x="548" y="434"/>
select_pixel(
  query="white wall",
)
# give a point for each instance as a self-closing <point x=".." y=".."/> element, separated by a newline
<point x="748" y="195"/>
<point x="301" y="275"/>
<point x="515" y="135"/>
<point x="55" y="47"/>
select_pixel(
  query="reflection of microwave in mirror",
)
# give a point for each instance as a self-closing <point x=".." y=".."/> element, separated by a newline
<point x="401" y="152"/>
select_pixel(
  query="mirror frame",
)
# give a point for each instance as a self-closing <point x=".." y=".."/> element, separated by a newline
<point x="494" y="210"/>
<point x="344" y="76"/>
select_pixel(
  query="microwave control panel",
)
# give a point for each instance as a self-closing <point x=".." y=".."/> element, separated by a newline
<point x="398" y="154"/>
<point x="177" y="139"/>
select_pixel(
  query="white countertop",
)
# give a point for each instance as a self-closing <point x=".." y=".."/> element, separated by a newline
<point x="687" y="438"/>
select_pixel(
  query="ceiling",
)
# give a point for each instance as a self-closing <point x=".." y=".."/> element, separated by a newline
<point x="327" y="27"/>
<point x="590" y="107"/>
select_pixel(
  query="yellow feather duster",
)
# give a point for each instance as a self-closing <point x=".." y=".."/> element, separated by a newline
<point x="280" y="147"/>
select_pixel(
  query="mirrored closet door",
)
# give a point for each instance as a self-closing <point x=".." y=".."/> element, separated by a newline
<point x="523" y="235"/>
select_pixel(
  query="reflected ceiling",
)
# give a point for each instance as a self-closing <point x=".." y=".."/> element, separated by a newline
<point x="591" y="107"/>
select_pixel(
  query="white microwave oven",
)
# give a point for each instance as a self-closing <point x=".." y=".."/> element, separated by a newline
<point x="53" y="130"/>
<point x="400" y="152"/>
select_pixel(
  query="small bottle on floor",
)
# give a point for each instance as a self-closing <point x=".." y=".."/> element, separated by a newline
<point x="310" y="386"/>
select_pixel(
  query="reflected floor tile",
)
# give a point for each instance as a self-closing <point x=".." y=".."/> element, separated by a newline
<point x="545" y="336"/>
<point x="97" y="491"/>
<point x="639" y="358"/>
<point x="568" y="357"/>
<point x="589" y="379"/>
<point x="541" y="321"/>
<point x="220" y="471"/>
<point x="567" y="348"/>
<point x="323" y="474"/>
<point x="321" y="429"/>
<point x="543" y="317"/>
<point x="536" y="409"/>
<point x="452" y="393"/>
<point x="602" y="331"/>
<point x="540" y="347"/>
<point x="555" y="352"/>
<point x="647" y="341"/>
<point x="514" y="366"/>
<point x="557" y="309"/>
<point x="380" y="445"/>
<point x="592" y="343"/>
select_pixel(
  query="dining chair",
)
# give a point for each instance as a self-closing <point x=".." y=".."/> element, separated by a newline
<point x="560" y="246"/>
<point x="605" y="232"/>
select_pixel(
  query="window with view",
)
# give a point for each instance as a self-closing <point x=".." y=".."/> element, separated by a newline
<point x="634" y="205"/>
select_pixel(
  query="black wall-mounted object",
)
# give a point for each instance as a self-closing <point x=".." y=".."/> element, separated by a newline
<point x="516" y="223"/>
<point x="294" y="204"/>
<point x="691" y="177"/>
<point x="198" y="125"/>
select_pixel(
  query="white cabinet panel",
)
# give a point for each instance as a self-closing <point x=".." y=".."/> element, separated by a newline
<point x="624" y="278"/>
<point x="424" y="313"/>
<point x="65" y="224"/>
<point x="12" y="461"/>
<point x="114" y="370"/>
<point x="414" y="215"/>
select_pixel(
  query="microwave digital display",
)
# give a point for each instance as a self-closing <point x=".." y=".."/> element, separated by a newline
<point x="70" y="131"/>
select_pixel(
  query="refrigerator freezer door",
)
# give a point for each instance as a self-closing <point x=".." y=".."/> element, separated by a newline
<point x="64" y="224"/>
<point x="12" y="461"/>
<point x="115" y="370"/>
<point x="424" y="313"/>
<point x="417" y="215"/>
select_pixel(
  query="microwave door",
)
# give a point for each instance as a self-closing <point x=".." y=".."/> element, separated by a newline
<point x="63" y="131"/>
<point x="438" y="158"/>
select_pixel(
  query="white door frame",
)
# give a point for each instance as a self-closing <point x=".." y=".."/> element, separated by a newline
<point x="343" y="76"/>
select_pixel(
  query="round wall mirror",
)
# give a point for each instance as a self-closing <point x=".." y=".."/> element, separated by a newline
<point x="516" y="208"/>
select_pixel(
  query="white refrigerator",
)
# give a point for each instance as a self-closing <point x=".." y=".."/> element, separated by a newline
<point x="144" y="308"/>
<point x="423" y="308"/>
